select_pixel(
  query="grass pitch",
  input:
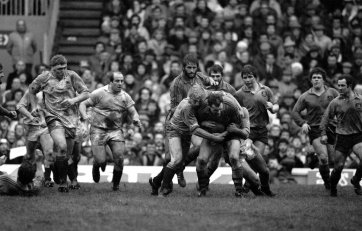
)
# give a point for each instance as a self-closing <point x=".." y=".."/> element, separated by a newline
<point x="96" y="207"/>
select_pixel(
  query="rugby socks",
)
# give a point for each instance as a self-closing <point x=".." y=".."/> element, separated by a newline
<point x="71" y="171"/>
<point x="358" y="175"/>
<point x="61" y="165"/>
<point x="47" y="172"/>
<point x="157" y="180"/>
<point x="117" y="175"/>
<point x="167" y="177"/>
<point x="237" y="176"/>
<point x="211" y="169"/>
<point x="335" y="176"/>
<point x="324" y="171"/>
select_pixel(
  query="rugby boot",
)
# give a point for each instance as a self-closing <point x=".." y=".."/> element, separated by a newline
<point x="246" y="188"/>
<point x="74" y="185"/>
<point x="115" y="187"/>
<point x="313" y="161"/>
<point x="266" y="190"/>
<point x="239" y="194"/>
<point x="165" y="192"/>
<point x="154" y="187"/>
<point x="256" y="190"/>
<point x="103" y="166"/>
<point x="201" y="193"/>
<point x="357" y="186"/>
<point x="48" y="184"/>
<point x="198" y="187"/>
<point x="95" y="173"/>
<point x="63" y="188"/>
<point x="181" y="179"/>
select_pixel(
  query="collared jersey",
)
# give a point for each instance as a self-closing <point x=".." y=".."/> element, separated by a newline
<point x="256" y="104"/>
<point x="315" y="105"/>
<point x="348" y="113"/>
<point x="223" y="86"/>
<point x="109" y="110"/>
<point x="55" y="92"/>
<point x="184" y="120"/>
<point x="181" y="85"/>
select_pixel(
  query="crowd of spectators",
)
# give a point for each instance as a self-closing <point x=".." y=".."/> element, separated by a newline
<point x="146" y="40"/>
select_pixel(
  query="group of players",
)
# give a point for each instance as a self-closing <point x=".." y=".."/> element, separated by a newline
<point x="208" y="119"/>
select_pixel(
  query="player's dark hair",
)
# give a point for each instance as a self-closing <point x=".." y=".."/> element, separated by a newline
<point x="190" y="58"/>
<point x="58" y="60"/>
<point x="26" y="172"/>
<point x="216" y="68"/>
<point x="318" y="70"/>
<point x="349" y="80"/>
<point x="249" y="69"/>
<point x="214" y="98"/>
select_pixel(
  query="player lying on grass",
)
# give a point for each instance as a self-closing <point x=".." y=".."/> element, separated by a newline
<point x="23" y="186"/>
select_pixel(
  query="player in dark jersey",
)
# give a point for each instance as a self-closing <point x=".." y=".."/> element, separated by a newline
<point x="179" y="89"/>
<point x="257" y="99"/>
<point x="315" y="101"/>
<point x="347" y="108"/>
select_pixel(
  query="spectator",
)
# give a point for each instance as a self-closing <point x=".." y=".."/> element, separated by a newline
<point x="147" y="107"/>
<point x="151" y="156"/>
<point x="20" y="68"/>
<point x="22" y="45"/>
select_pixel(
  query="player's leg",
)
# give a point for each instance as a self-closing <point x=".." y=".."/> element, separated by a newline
<point x="355" y="181"/>
<point x="233" y="147"/>
<point x="118" y="149"/>
<point x="322" y="152"/>
<point x="61" y="159"/>
<point x="98" y="140"/>
<point x="47" y="144"/>
<point x="201" y="166"/>
<point x="342" y="148"/>
<point x="260" y="166"/>
<point x="252" y="178"/>
<point x="175" y="148"/>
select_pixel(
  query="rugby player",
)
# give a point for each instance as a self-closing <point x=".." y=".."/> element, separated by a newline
<point x="179" y="89"/>
<point x="347" y="108"/>
<point x="315" y="101"/>
<point x="37" y="133"/>
<point x="257" y="99"/>
<point x="179" y="131"/>
<point x="111" y="105"/>
<point x="62" y="91"/>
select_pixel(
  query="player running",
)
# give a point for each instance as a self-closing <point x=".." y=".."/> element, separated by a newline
<point x="347" y="108"/>
<point x="257" y="99"/>
<point x="63" y="90"/>
<point x="111" y="105"/>
<point x="315" y="101"/>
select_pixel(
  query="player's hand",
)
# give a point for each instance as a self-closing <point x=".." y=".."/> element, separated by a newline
<point x="67" y="103"/>
<point x="324" y="139"/>
<point x="220" y="137"/>
<point x="13" y="114"/>
<point x="34" y="119"/>
<point x="232" y="128"/>
<point x="305" y="128"/>
<point x="35" y="113"/>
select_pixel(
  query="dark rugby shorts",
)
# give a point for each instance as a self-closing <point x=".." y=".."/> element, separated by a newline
<point x="344" y="143"/>
<point x="259" y="134"/>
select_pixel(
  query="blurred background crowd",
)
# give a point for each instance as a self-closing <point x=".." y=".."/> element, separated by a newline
<point x="147" y="39"/>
